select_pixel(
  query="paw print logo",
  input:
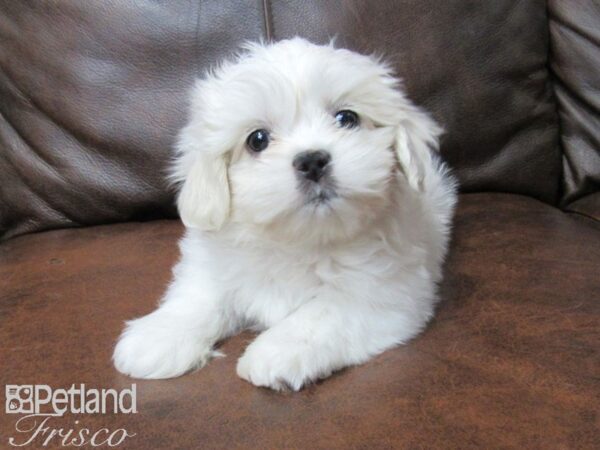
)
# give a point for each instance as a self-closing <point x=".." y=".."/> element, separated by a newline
<point x="19" y="399"/>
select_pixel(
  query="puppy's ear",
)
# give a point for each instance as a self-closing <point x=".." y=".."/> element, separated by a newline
<point x="202" y="155"/>
<point x="204" y="198"/>
<point x="417" y="135"/>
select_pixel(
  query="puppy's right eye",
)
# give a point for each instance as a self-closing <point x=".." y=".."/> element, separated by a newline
<point x="346" y="118"/>
<point x="258" y="140"/>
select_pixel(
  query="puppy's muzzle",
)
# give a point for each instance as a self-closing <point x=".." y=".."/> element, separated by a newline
<point x="312" y="164"/>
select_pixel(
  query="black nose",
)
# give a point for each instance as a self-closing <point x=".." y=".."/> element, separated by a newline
<point x="312" y="163"/>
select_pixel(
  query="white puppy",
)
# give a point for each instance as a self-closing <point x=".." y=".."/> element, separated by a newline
<point x="315" y="211"/>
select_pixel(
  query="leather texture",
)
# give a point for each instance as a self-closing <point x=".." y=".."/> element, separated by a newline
<point x="91" y="97"/>
<point x="479" y="66"/>
<point x="575" y="43"/>
<point x="511" y="359"/>
<point x="93" y="93"/>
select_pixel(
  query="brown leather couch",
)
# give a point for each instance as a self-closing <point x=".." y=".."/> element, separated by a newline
<point x="91" y="96"/>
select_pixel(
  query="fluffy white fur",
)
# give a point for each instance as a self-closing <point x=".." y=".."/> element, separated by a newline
<point x="329" y="284"/>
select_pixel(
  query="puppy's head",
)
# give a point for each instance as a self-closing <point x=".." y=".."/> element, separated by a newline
<point x="300" y="141"/>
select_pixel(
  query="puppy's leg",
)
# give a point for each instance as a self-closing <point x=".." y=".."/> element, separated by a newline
<point x="321" y="337"/>
<point x="180" y="334"/>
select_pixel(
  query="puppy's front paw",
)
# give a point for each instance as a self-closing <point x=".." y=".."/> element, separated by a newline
<point x="280" y="364"/>
<point x="154" y="346"/>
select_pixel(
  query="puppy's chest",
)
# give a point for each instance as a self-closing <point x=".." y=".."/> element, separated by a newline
<point x="266" y="286"/>
<point x="271" y="273"/>
<point x="289" y="272"/>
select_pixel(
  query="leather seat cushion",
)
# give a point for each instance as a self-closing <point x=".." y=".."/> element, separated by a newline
<point x="510" y="360"/>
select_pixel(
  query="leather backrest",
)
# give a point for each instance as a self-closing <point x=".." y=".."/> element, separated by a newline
<point x="93" y="93"/>
<point x="575" y="63"/>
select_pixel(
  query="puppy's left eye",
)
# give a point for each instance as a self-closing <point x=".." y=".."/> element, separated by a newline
<point x="346" y="118"/>
<point x="258" y="140"/>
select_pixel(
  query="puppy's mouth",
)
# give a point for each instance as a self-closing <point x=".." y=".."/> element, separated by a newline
<point x="319" y="193"/>
<point x="321" y="197"/>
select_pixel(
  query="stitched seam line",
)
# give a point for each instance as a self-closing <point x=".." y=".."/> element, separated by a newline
<point x="267" y="19"/>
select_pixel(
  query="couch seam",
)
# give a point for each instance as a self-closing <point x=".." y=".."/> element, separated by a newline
<point x="554" y="81"/>
<point x="582" y="215"/>
<point x="267" y="20"/>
